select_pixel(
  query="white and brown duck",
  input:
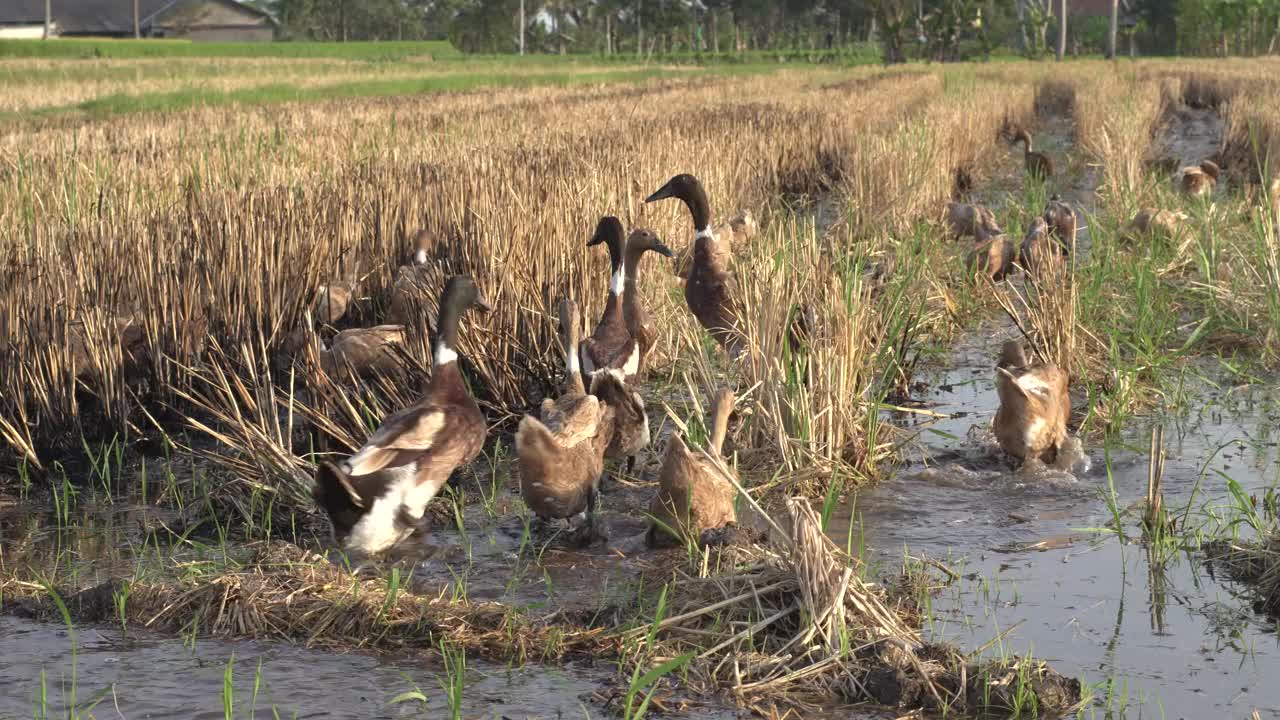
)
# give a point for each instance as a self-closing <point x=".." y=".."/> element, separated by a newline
<point x="611" y="346"/>
<point x="561" y="455"/>
<point x="1198" y="180"/>
<point x="377" y="496"/>
<point x="709" y="291"/>
<point x="965" y="219"/>
<point x="639" y="323"/>
<point x="364" y="351"/>
<point x="411" y="281"/>
<point x="1155" y="221"/>
<point x="1034" y="405"/>
<point x="630" y="423"/>
<point x="694" y="492"/>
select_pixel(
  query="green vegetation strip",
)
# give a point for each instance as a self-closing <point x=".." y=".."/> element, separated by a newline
<point x="104" y="48"/>
<point x="118" y="103"/>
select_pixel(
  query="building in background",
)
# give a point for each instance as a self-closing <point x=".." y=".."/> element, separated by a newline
<point x="208" y="20"/>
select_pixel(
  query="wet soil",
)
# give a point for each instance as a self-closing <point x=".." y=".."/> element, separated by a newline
<point x="1037" y="558"/>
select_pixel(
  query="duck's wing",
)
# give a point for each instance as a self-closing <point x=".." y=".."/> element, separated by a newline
<point x="402" y="437"/>
<point x="573" y="419"/>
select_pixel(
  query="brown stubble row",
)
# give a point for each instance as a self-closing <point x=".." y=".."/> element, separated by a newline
<point x="222" y="222"/>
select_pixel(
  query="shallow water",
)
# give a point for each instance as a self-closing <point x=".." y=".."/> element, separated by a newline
<point x="1177" y="643"/>
<point x="139" y="676"/>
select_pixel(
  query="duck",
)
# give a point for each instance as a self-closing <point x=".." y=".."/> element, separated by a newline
<point x="561" y="455"/>
<point x="709" y="291"/>
<point x="1061" y="218"/>
<point x="364" y="351"/>
<point x="86" y="346"/>
<point x="410" y="284"/>
<point x="1034" y="405"/>
<point x="376" y="497"/>
<point x="1038" y="164"/>
<point x="1198" y="180"/>
<point x="992" y="253"/>
<point x="694" y="493"/>
<point x="611" y="346"/>
<point x="630" y="424"/>
<point x="331" y="302"/>
<point x="639" y="323"/>
<point x="1036" y="246"/>
<point x="964" y="219"/>
<point x="741" y="229"/>
<point x="1150" y="220"/>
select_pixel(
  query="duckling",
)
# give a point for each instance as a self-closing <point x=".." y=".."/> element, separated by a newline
<point x="639" y="324"/>
<point x="1155" y="221"/>
<point x="562" y="455"/>
<point x="709" y="291"/>
<point x="693" y="493"/>
<point x="992" y="253"/>
<point x="630" y="424"/>
<point x="364" y="351"/>
<point x="1034" y="405"/>
<point x="963" y="219"/>
<point x="1199" y="180"/>
<point x="375" y="497"/>
<point x="611" y="345"/>
<point x="1038" y="164"/>
<point x="1062" y="222"/>
<point x="410" y="283"/>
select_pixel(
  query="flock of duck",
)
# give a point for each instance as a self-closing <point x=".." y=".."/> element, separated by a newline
<point x="377" y="496"/>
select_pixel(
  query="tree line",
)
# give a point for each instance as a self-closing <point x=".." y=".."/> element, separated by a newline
<point x="903" y="29"/>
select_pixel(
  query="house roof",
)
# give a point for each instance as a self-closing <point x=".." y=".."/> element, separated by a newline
<point x="95" y="16"/>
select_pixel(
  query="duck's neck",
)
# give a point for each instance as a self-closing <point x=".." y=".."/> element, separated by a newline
<point x="445" y="351"/>
<point x="618" y="277"/>
<point x="573" y="369"/>
<point x="699" y="207"/>
<point x="632" y="276"/>
<point x="1026" y="142"/>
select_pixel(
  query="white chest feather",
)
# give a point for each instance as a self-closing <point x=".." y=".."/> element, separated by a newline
<point x="632" y="365"/>
<point x="379" y="529"/>
<point x="444" y="355"/>
<point x="618" y="283"/>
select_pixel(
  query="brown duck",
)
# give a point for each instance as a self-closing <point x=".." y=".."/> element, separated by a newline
<point x="1038" y="164"/>
<point x="364" y="351"/>
<point x="639" y="323"/>
<point x="1034" y="405"/>
<point x="740" y="229"/>
<point x="964" y="220"/>
<point x="709" y="291"/>
<point x="1199" y="180"/>
<point x="1155" y="221"/>
<point x="411" y="282"/>
<point x="375" y="497"/>
<point x="694" y="493"/>
<point x="992" y="254"/>
<point x="561" y="456"/>
<point x="1061" y="218"/>
<point x="611" y="346"/>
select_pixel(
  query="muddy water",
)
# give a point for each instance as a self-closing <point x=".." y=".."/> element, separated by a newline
<point x="137" y="676"/>
<point x="1176" y="643"/>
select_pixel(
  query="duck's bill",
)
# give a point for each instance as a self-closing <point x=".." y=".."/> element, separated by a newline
<point x="663" y="193"/>
<point x="482" y="304"/>
<point x="663" y="250"/>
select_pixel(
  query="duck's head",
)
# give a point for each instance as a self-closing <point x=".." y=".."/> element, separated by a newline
<point x="610" y="233"/>
<point x="461" y="293"/>
<point x="1210" y="168"/>
<point x="1012" y="355"/>
<point x="689" y="190"/>
<point x="641" y="240"/>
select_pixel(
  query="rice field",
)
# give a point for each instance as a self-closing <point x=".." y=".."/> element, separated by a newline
<point x="167" y="394"/>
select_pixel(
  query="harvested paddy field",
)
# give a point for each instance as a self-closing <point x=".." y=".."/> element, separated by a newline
<point x="181" y="278"/>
